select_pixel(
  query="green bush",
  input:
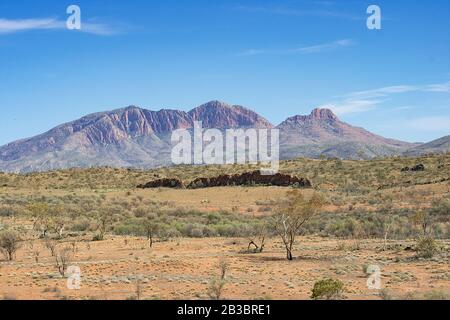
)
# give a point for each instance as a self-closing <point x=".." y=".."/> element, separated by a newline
<point x="328" y="289"/>
<point x="426" y="247"/>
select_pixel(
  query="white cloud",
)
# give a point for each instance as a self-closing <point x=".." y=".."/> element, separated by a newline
<point x="301" y="50"/>
<point x="8" y="26"/>
<point x="353" y="106"/>
<point x="440" y="87"/>
<point x="361" y="101"/>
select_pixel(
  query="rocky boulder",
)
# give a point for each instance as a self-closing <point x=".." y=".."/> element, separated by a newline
<point x="250" y="179"/>
<point x="163" y="183"/>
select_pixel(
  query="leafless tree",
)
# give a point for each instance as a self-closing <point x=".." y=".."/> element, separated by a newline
<point x="258" y="238"/>
<point x="103" y="220"/>
<point x="51" y="245"/>
<point x="292" y="214"/>
<point x="63" y="258"/>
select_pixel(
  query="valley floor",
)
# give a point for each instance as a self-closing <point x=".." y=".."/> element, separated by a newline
<point x="183" y="269"/>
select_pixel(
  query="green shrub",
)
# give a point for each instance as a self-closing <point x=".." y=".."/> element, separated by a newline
<point x="426" y="247"/>
<point x="328" y="289"/>
<point x="436" y="295"/>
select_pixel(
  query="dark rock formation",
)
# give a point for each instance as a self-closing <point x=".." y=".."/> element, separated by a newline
<point x="250" y="179"/>
<point x="417" y="168"/>
<point x="163" y="183"/>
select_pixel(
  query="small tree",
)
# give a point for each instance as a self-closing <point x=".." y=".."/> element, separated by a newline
<point x="151" y="228"/>
<point x="423" y="220"/>
<point x="41" y="218"/>
<point x="50" y="245"/>
<point x="292" y="214"/>
<point x="217" y="284"/>
<point x="63" y="258"/>
<point x="103" y="221"/>
<point x="9" y="244"/>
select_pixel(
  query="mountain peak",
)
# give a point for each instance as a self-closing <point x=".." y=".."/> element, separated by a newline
<point x="323" y="114"/>
<point x="218" y="114"/>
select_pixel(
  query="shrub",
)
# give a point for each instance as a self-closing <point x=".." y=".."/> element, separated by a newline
<point x="9" y="244"/>
<point x="328" y="289"/>
<point x="7" y="211"/>
<point x="426" y="247"/>
<point x="436" y="295"/>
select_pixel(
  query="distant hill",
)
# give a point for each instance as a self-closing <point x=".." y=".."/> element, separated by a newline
<point x="441" y="145"/>
<point x="136" y="137"/>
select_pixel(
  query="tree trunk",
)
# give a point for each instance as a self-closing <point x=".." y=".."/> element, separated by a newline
<point x="289" y="254"/>
<point x="150" y="240"/>
<point x="254" y="244"/>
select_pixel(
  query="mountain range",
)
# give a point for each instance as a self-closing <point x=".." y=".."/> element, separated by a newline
<point x="136" y="137"/>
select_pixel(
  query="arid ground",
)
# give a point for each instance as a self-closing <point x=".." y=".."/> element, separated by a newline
<point x="374" y="216"/>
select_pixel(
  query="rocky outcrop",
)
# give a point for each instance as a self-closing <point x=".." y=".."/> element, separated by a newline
<point x="417" y="168"/>
<point x="250" y="179"/>
<point x="163" y="183"/>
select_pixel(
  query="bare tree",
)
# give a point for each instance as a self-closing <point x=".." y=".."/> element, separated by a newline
<point x="50" y="245"/>
<point x="423" y="220"/>
<point x="63" y="258"/>
<point x="103" y="221"/>
<point x="258" y="238"/>
<point x="41" y="218"/>
<point x="34" y="251"/>
<point x="9" y="244"/>
<point x="292" y="214"/>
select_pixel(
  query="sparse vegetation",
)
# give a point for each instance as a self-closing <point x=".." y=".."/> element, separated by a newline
<point x="217" y="284"/>
<point x="373" y="213"/>
<point x="328" y="289"/>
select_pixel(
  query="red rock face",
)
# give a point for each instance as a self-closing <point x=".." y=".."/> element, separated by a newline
<point x="102" y="129"/>
<point x="216" y="114"/>
<point x="322" y="125"/>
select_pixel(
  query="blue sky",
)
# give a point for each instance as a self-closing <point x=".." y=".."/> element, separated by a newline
<point x="279" y="58"/>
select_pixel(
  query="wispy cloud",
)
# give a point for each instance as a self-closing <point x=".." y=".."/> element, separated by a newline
<point x="299" y="50"/>
<point x="362" y="101"/>
<point x="353" y="106"/>
<point x="8" y="26"/>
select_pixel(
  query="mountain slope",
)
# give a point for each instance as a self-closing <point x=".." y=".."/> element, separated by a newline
<point x="322" y="133"/>
<point x="441" y="145"/>
<point x="135" y="137"/>
<point x="124" y="137"/>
